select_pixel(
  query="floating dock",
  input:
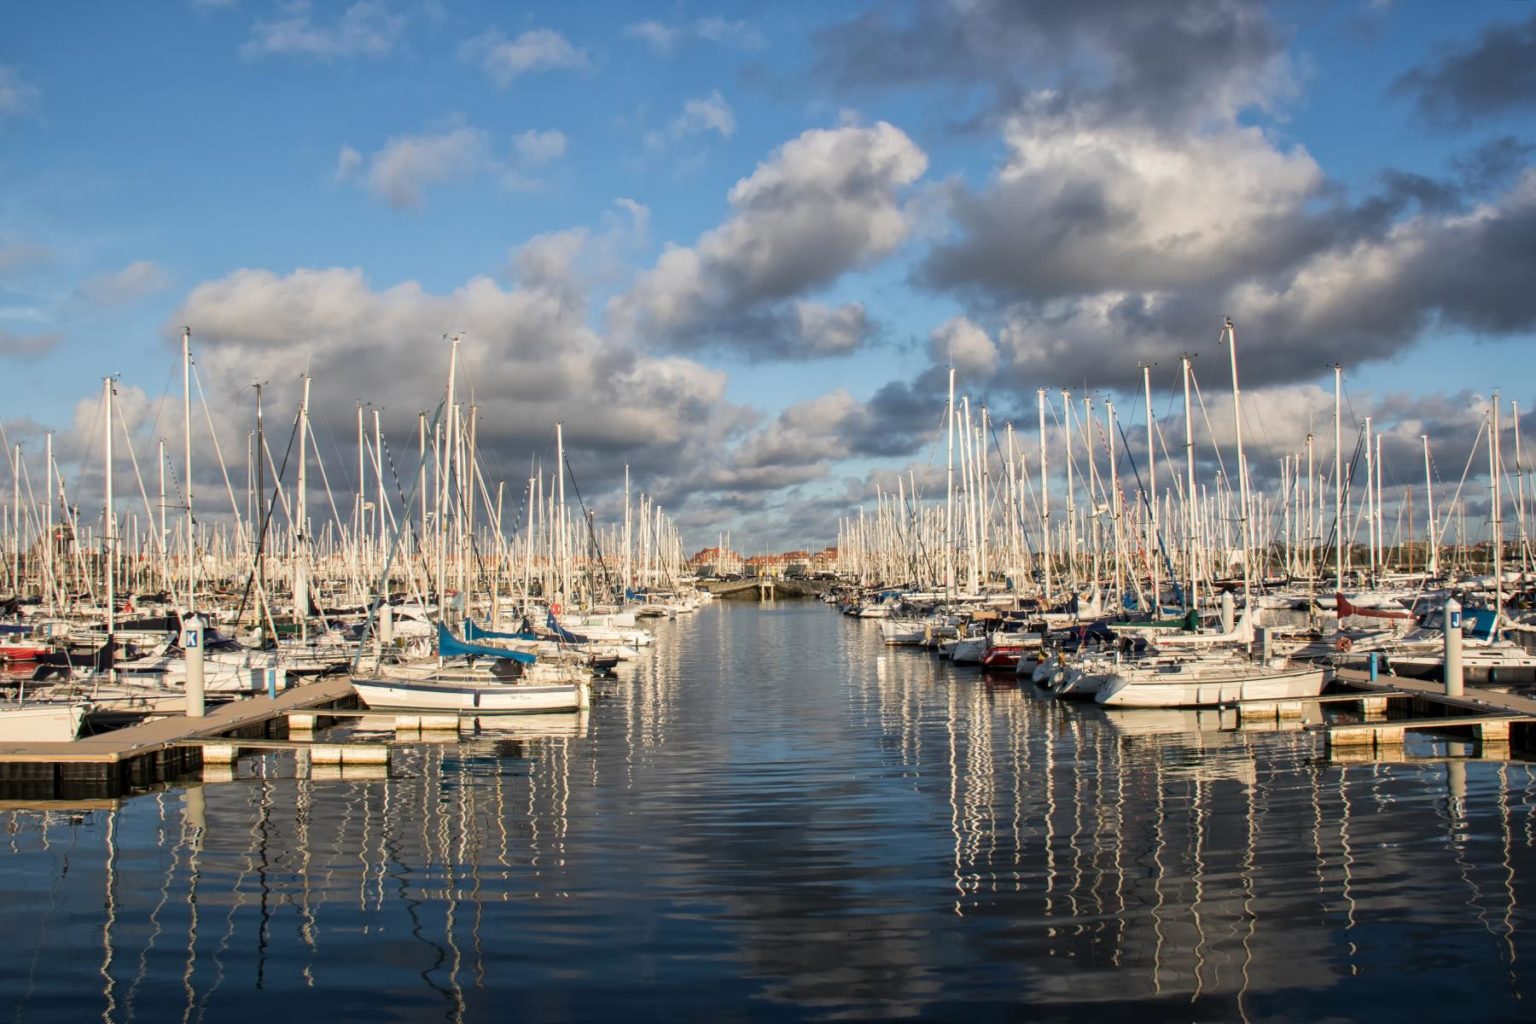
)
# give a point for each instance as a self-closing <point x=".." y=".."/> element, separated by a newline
<point x="124" y="760"/>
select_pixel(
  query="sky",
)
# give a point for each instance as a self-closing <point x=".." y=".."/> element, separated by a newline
<point x="736" y="247"/>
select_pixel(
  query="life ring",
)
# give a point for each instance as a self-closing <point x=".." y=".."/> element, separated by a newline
<point x="554" y="609"/>
<point x="1343" y="643"/>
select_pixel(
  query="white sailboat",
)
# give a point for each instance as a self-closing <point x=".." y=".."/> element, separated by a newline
<point x="1217" y="675"/>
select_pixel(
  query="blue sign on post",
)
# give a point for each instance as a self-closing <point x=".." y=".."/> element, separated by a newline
<point x="194" y="639"/>
<point x="1455" y="620"/>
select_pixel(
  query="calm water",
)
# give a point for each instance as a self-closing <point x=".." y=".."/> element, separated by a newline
<point x="773" y="818"/>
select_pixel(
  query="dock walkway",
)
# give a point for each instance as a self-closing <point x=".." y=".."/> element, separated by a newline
<point x="112" y="763"/>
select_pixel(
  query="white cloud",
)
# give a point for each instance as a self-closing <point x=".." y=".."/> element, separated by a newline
<point x="133" y="282"/>
<point x="348" y="161"/>
<point x="1081" y="206"/>
<point x="531" y="346"/>
<point x="505" y="60"/>
<point x="665" y="38"/>
<point x="17" y="95"/>
<point x="367" y="28"/>
<point x="823" y="204"/>
<point x="408" y="164"/>
<point x="661" y="36"/>
<point x="962" y="344"/>
<point x="706" y="113"/>
<point x="535" y="147"/>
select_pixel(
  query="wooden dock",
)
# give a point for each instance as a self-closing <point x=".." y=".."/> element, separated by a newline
<point x="112" y="763"/>
<point x="1392" y="706"/>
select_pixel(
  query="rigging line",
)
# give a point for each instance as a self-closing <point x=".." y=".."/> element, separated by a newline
<point x="266" y="517"/>
<point x="585" y="515"/>
<point x="1162" y="544"/>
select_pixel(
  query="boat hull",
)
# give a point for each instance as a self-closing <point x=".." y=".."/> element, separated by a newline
<point x="429" y="695"/>
<point x="40" y="723"/>
<point x="1162" y="690"/>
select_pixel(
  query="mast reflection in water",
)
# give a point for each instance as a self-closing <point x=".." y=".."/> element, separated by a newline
<point x="774" y="818"/>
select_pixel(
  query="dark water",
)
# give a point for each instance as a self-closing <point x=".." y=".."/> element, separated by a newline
<point x="773" y="818"/>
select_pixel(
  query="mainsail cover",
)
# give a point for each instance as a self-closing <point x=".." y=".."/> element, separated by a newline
<point x="449" y="646"/>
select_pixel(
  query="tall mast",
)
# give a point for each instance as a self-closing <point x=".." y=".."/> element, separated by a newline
<point x="1338" y="476"/>
<point x="261" y="510"/>
<point x="1242" y="469"/>
<point x="186" y="442"/>
<point x="1192" y="512"/>
<point x="1370" y="502"/>
<point x="442" y="504"/>
<point x="949" y="494"/>
<point x="1429" y="503"/>
<point x="109" y="530"/>
<point x="1498" y="519"/>
<point x="1045" y="497"/>
<point x="301" y="524"/>
<point x="1146" y="384"/>
<point x="1066" y="426"/>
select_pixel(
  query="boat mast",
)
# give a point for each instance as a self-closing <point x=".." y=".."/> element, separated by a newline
<point x="109" y="531"/>
<point x="1189" y="498"/>
<point x="186" y="450"/>
<point x="949" y="494"/>
<point x="444" y="450"/>
<point x="301" y="525"/>
<point x="1429" y="502"/>
<point x="1498" y="521"/>
<point x="1242" y="471"/>
<point x="1338" y="477"/>
<point x="1045" y="497"/>
<point x="1155" y="583"/>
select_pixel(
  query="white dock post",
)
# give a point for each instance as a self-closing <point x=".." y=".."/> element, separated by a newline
<point x="386" y="625"/>
<point x="1452" y="631"/>
<point x="192" y="644"/>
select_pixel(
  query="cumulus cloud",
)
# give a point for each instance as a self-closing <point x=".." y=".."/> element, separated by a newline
<point x="699" y="116"/>
<point x="133" y="282"/>
<point x="1081" y="206"/>
<point x="823" y="204"/>
<point x="407" y="164"/>
<point x="573" y="261"/>
<point x="1176" y="64"/>
<point x="962" y="344"/>
<point x="1494" y="74"/>
<point x="17" y="95"/>
<point x="529" y="346"/>
<point x="367" y="28"/>
<point x="403" y="169"/>
<point x="536" y="147"/>
<point x="1364" y="298"/>
<point x="665" y="38"/>
<point x="704" y="114"/>
<point x="505" y="60"/>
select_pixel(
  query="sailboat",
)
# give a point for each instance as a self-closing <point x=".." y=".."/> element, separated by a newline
<point x="1217" y="674"/>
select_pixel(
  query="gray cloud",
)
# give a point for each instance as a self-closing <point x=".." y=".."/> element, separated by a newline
<point x="22" y="346"/>
<point x="1170" y="63"/>
<point x="824" y="204"/>
<point x="1491" y="75"/>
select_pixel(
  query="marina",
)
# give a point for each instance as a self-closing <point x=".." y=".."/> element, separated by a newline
<point x="783" y="819"/>
<point x="895" y="510"/>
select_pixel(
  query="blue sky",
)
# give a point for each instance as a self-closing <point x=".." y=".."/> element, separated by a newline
<point x="734" y="245"/>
